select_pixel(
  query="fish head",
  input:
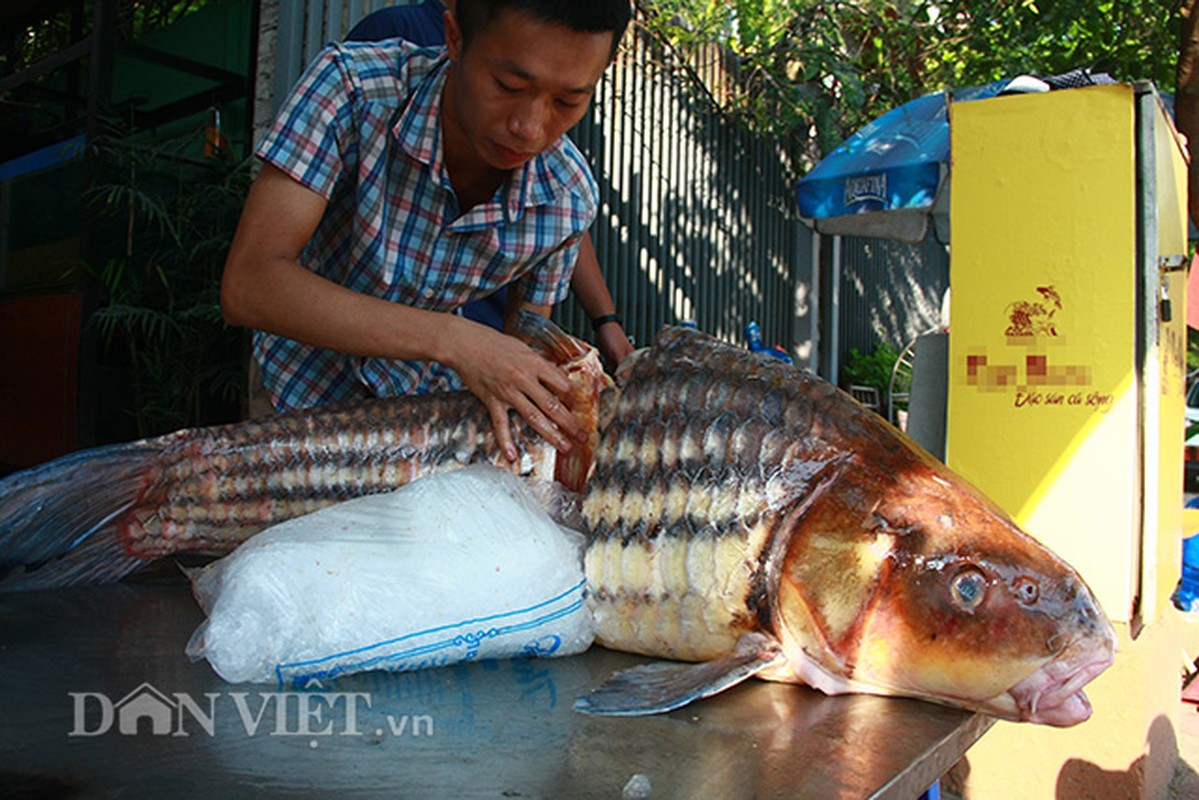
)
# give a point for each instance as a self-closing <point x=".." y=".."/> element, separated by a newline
<point x="913" y="583"/>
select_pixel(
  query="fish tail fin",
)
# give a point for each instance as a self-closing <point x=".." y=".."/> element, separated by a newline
<point x="60" y="521"/>
<point x="581" y="363"/>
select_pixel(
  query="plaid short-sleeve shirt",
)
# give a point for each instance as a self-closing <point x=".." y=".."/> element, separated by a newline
<point x="362" y="128"/>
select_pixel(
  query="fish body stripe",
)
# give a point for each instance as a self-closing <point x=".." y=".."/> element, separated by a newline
<point x="699" y="458"/>
<point x="678" y="596"/>
<point x="217" y="486"/>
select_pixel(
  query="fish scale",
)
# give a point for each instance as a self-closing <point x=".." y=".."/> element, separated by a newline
<point x="674" y="539"/>
<point x="207" y="490"/>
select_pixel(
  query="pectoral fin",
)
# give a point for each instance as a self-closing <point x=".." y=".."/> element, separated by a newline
<point x="665" y="686"/>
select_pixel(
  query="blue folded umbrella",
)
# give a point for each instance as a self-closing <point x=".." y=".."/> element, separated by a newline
<point x="895" y="162"/>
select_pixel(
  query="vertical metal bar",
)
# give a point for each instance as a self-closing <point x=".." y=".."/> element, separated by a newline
<point x="662" y="230"/>
<point x="618" y="133"/>
<point x="642" y="292"/>
<point x="314" y="34"/>
<point x="753" y="233"/>
<point x="756" y="234"/>
<point x="649" y="234"/>
<point x="689" y="177"/>
<point x="736" y="263"/>
<point x="780" y="236"/>
<point x="289" y="53"/>
<point x="765" y="230"/>
<point x="681" y="218"/>
<point x="605" y="249"/>
<point x="1147" y="359"/>
<point x="628" y="210"/>
<point x="707" y="270"/>
<point x="834" y="327"/>
<point x="719" y="179"/>
<point x="816" y="306"/>
<point x="251" y="83"/>
<point x="769" y="243"/>
<point x="662" y="233"/>
<point x="712" y="270"/>
<point x="649" y="151"/>
<point x="332" y="21"/>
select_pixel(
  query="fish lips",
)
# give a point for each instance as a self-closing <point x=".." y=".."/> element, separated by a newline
<point x="1053" y="695"/>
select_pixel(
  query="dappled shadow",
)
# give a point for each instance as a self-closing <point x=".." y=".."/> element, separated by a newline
<point x="1079" y="779"/>
<point x="697" y="215"/>
<point x="891" y="290"/>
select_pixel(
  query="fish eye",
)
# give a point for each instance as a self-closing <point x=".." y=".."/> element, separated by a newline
<point x="968" y="589"/>
<point x="1027" y="591"/>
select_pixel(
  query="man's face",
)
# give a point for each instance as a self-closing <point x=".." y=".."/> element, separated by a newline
<point x="519" y="85"/>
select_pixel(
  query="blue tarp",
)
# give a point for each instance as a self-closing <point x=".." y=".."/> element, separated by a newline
<point x="51" y="156"/>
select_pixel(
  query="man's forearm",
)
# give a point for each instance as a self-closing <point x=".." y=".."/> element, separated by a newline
<point x="284" y="298"/>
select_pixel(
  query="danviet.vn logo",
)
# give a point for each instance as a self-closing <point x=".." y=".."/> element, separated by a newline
<point x="148" y="711"/>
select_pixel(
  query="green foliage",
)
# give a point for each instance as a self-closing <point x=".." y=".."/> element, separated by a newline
<point x="172" y="218"/>
<point x="1130" y="39"/>
<point x="871" y="370"/>
<point x="814" y="71"/>
<point x="57" y="28"/>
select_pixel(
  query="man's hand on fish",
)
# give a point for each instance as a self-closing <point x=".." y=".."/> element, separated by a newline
<point x="505" y="374"/>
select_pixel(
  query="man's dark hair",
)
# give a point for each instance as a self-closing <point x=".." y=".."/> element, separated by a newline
<point x="584" y="16"/>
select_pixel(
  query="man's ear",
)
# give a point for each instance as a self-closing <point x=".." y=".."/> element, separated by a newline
<point x="453" y="35"/>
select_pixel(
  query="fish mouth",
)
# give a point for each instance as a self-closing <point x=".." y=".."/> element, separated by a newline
<point x="1053" y="695"/>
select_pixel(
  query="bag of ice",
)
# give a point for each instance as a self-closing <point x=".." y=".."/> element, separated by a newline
<point x="453" y="567"/>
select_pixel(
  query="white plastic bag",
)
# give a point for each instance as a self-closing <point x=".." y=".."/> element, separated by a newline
<point x="453" y="567"/>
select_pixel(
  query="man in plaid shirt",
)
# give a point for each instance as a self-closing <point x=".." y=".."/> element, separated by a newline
<point x="400" y="183"/>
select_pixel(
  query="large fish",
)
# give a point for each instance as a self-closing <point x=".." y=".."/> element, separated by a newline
<point x="740" y="513"/>
<point x="749" y="516"/>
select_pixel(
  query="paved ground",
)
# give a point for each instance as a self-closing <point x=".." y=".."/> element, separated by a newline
<point x="1186" y="777"/>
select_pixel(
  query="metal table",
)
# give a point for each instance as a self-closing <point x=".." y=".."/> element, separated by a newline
<point x="81" y="664"/>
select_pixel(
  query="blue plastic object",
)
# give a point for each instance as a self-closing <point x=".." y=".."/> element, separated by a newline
<point x="1186" y="595"/>
<point x="753" y="337"/>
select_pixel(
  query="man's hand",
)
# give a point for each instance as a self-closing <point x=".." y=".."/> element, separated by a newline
<point x="506" y="374"/>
